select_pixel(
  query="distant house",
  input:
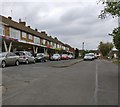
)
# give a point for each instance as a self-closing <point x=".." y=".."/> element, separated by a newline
<point x="114" y="54"/>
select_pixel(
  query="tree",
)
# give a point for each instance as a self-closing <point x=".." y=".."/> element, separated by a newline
<point x="76" y="53"/>
<point x="112" y="9"/>
<point x="105" y="48"/>
<point x="116" y="37"/>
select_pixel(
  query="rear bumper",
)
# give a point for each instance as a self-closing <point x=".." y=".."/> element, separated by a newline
<point x="88" y="59"/>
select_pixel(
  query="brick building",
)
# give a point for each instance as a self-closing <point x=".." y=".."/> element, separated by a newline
<point x="17" y="36"/>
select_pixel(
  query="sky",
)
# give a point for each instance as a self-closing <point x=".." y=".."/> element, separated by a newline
<point x="71" y="21"/>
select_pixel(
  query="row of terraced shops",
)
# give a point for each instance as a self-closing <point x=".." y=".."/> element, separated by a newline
<point x="17" y="36"/>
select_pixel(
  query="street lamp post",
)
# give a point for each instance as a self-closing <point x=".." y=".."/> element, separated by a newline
<point x="83" y="46"/>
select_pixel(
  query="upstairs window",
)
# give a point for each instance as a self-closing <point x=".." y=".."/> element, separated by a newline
<point x="36" y="40"/>
<point x="2" y="30"/>
<point x="24" y="35"/>
<point x="43" y="41"/>
<point x="14" y="33"/>
<point x="30" y="37"/>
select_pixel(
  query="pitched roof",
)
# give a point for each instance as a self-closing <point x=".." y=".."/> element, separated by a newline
<point x="21" y="26"/>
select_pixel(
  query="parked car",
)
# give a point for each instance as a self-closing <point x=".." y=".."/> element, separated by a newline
<point x="25" y="57"/>
<point x="64" y="56"/>
<point x="41" y="57"/>
<point x="8" y="58"/>
<point x="55" y="57"/>
<point x="92" y="55"/>
<point x="70" y="56"/>
<point x="88" y="57"/>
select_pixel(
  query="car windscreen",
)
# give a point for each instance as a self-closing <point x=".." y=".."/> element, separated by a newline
<point x="87" y="55"/>
<point x="29" y="54"/>
<point x="55" y="55"/>
<point x="39" y="55"/>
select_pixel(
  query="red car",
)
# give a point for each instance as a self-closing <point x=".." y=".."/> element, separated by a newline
<point x="64" y="56"/>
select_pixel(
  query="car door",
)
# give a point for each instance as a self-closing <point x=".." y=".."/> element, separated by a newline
<point x="11" y="58"/>
<point x="30" y="58"/>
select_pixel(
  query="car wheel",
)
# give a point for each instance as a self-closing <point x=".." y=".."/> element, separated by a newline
<point x="45" y="60"/>
<point x="3" y="64"/>
<point x="27" y="61"/>
<point x="34" y="62"/>
<point x="17" y="63"/>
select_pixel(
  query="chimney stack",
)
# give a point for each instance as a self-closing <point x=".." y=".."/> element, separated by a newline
<point x="9" y="17"/>
<point x="43" y="32"/>
<point x="28" y="26"/>
<point x="19" y="20"/>
<point x="22" y="23"/>
<point x="56" y="38"/>
<point x="36" y="29"/>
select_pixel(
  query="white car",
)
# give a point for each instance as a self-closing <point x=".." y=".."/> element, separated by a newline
<point x="88" y="57"/>
<point x="55" y="57"/>
<point x="92" y="54"/>
<point x="70" y="56"/>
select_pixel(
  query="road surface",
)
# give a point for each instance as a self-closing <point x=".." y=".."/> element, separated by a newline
<point x="85" y="83"/>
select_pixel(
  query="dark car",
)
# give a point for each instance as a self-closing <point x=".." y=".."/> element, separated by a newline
<point x="40" y="57"/>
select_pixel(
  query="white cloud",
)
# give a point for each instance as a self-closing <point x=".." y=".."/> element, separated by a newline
<point x="72" y="21"/>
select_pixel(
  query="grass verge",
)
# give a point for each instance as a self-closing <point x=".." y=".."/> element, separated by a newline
<point x="116" y="62"/>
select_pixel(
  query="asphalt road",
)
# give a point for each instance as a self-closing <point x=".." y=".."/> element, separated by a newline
<point x="85" y="83"/>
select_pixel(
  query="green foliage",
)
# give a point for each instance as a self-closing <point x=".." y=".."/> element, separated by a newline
<point x="105" y="48"/>
<point x="113" y="9"/>
<point x="110" y="8"/>
<point x="76" y="53"/>
<point x="83" y="52"/>
<point x="116" y="62"/>
<point x="116" y="37"/>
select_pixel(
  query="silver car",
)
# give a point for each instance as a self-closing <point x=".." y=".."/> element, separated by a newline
<point x="55" y="57"/>
<point x="25" y="57"/>
<point x="8" y="58"/>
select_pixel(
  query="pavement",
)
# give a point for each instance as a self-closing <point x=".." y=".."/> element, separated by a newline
<point x="85" y="83"/>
